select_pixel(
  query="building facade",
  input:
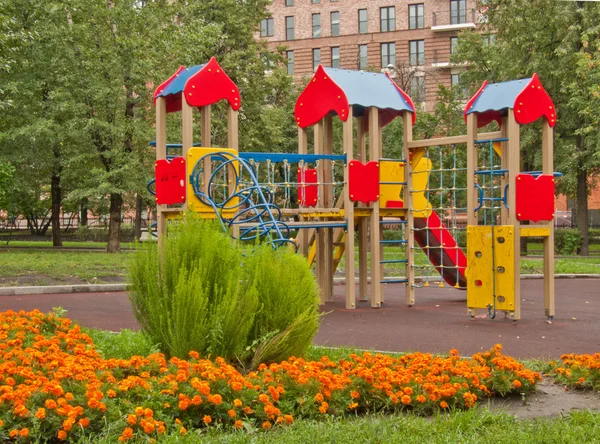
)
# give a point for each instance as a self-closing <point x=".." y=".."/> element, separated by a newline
<point x="412" y="39"/>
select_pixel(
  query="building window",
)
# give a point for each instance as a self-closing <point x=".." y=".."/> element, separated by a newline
<point x="316" y="25"/>
<point x="388" y="54"/>
<point x="458" y="12"/>
<point x="387" y="18"/>
<point x="453" y="45"/>
<point x="416" y="52"/>
<point x="316" y="2"/>
<point x="417" y="88"/>
<point x="362" y="21"/>
<point x="289" y="28"/>
<point x="267" y="27"/>
<point x="489" y="40"/>
<point x="335" y="57"/>
<point x="415" y="16"/>
<point x="290" y="62"/>
<point x="316" y="58"/>
<point x="455" y="84"/>
<point x="289" y="2"/>
<point x="362" y="57"/>
<point x="335" y="23"/>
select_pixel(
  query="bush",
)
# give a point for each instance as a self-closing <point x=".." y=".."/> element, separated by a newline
<point x="204" y="295"/>
<point x="567" y="241"/>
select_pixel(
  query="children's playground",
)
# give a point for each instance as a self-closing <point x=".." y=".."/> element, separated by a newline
<point x="403" y="217"/>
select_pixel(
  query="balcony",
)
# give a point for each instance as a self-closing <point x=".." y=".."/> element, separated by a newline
<point x="455" y="20"/>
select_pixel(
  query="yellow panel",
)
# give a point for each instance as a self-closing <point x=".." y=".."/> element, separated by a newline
<point x="535" y="231"/>
<point x="480" y="277"/>
<point x="394" y="172"/>
<point x="194" y="204"/>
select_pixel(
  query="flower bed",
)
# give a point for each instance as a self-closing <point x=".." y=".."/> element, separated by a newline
<point x="578" y="371"/>
<point x="54" y="384"/>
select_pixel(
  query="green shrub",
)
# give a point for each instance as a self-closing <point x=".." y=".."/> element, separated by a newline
<point x="287" y="318"/>
<point x="203" y="294"/>
<point x="121" y="345"/>
<point x="567" y="241"/>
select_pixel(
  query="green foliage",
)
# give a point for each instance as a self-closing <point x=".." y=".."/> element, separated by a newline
<point x="121" y="345"/>
<point x="203" y="295"/>
<point x="567" y="241"/>
<point x="288" y="297"/>
<point x="85" y="233"/>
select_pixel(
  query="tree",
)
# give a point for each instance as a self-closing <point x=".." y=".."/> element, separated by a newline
<point x="558" y="41"/>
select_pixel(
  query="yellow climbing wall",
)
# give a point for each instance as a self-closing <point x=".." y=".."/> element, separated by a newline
<point x="394" y="172"/>
<point x="194" y="204"/>
<point x="480" y="277"/>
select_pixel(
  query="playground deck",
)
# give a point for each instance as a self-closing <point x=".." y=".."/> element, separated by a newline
<point x="437" y="323"/>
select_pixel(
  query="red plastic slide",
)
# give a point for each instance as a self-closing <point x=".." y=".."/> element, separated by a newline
<point x="441" y="249"/>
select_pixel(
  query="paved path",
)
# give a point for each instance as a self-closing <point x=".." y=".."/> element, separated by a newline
<point x="437" y="323"/>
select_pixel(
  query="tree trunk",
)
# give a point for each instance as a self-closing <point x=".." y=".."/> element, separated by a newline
<point x="582" y="209"/>
<point x="83" y="218"/>
<point x="56" y="194"/>
<point x="138" y="217"/>
<point x="114" y="224"/>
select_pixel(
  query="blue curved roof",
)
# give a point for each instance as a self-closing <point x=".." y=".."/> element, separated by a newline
<point x="499" y="96"/>
<point x="178" y="83"/>
<point x="369" y="89"/>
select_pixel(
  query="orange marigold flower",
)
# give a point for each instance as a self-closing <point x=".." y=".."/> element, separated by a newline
<point x="237" y="403"/>
<point x="319" y="397"/>
<point x="41" y="413"/>
<point x="50" y="404"/>
<point x="444" y="404"/>
<point x="324" y="407"/>
<point x="421" y="399"/>
<point x="231" y="413"/>
<point x="111" y="394"/>
<point x="13" y="433"/>
<point x="139" y="411"/>
<point x="289" y="418"/>
<point x="405" y="400"/>
<point x="248" y="410"/>
<point x="207" y="419"/>
<point x="238" y="424"/>
<point x="24" y="433"/>
<point x="131" y="419"/>
<point x="148" y="413"/>
<point x="69" y="396"/>
<point x="182" y="431"/>
<point x="263" y="398"/>
<point x="127" y="434"/>
<point x="517" y="383"/>
<point x="217" y="399"/>
<point x="266" y="425"/>
<point x="62" y="435"/>
<point x="194" y="355"/>
<point x="353" y="405"/>
<point x="355" y="394"/>
<point x="84" y="422"/>
<point x="1" y="423"/>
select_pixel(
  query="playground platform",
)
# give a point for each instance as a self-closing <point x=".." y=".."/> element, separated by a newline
<point x="437" y="323"/>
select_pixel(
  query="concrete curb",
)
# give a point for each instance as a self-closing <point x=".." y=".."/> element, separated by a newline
<point x="107" y="288"/>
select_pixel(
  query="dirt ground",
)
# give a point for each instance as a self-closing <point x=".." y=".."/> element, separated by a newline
<point x="437" y="323"/>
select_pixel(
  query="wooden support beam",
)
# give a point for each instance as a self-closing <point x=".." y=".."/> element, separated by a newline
<point x="548" y="242"/>
<point x="452" y="139"/>
<point x="320" y="234"/>
<point x="363" y="235"/>
<point x="232" y="142"/>
<point x="161" y="153"/>
<point x="504" y="165"/>
<point x="348" y="147"/>
<point x="471" y="167"/>
<point x="302" y="239"/>
<point x="187" y="131"/>
<point x="408" y="233"/>
<point x="205" y="141"/>
<point x="327" y="178"/>
<point x="374" y="150"/>
<point x="514" y="168"/>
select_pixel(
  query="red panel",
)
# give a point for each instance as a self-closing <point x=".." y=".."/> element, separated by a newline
<point x="210" y="85"/>
<point x="535" y="197"/>
<point x="363" y="181"/>
<point x="173" y="102"/>
<point x="534" y="102"/>
<point x="170" y="181"/>
<point x="308" y="195"/>
<point x="320" y="96"/>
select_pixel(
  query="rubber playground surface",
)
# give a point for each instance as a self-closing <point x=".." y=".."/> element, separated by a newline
<point x="437" y="323"/>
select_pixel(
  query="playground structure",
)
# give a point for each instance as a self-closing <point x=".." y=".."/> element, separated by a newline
<point x="319" y="201"/>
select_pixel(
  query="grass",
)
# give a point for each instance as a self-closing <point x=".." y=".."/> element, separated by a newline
<point x="66" y="244"/>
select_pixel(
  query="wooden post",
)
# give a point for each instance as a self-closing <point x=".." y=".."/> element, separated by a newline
<point x="320" y="235"/>
<point x="504" y="166"/>
<point x="232" y="142"/>
<point x="161" y="153"/>
<point x="374" y="149"/>
<point x="514" y="168"/>
<point x="547" y="168"/>
<point x="205" y="142"/>
<point x="187" y="132"/>
<point x="349" y="212"/>
<point x="410" y="219"/>
<point x="328" y="203"/>
<point x="471" y="167"/>
<point x="302" y="236"/>
<point x="363" y="239"/>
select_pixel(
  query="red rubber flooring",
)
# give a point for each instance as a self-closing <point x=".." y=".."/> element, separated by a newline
<point x="437" y="323"/>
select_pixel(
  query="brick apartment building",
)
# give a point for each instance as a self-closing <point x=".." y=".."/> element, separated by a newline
<point x="415" y="36"/>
